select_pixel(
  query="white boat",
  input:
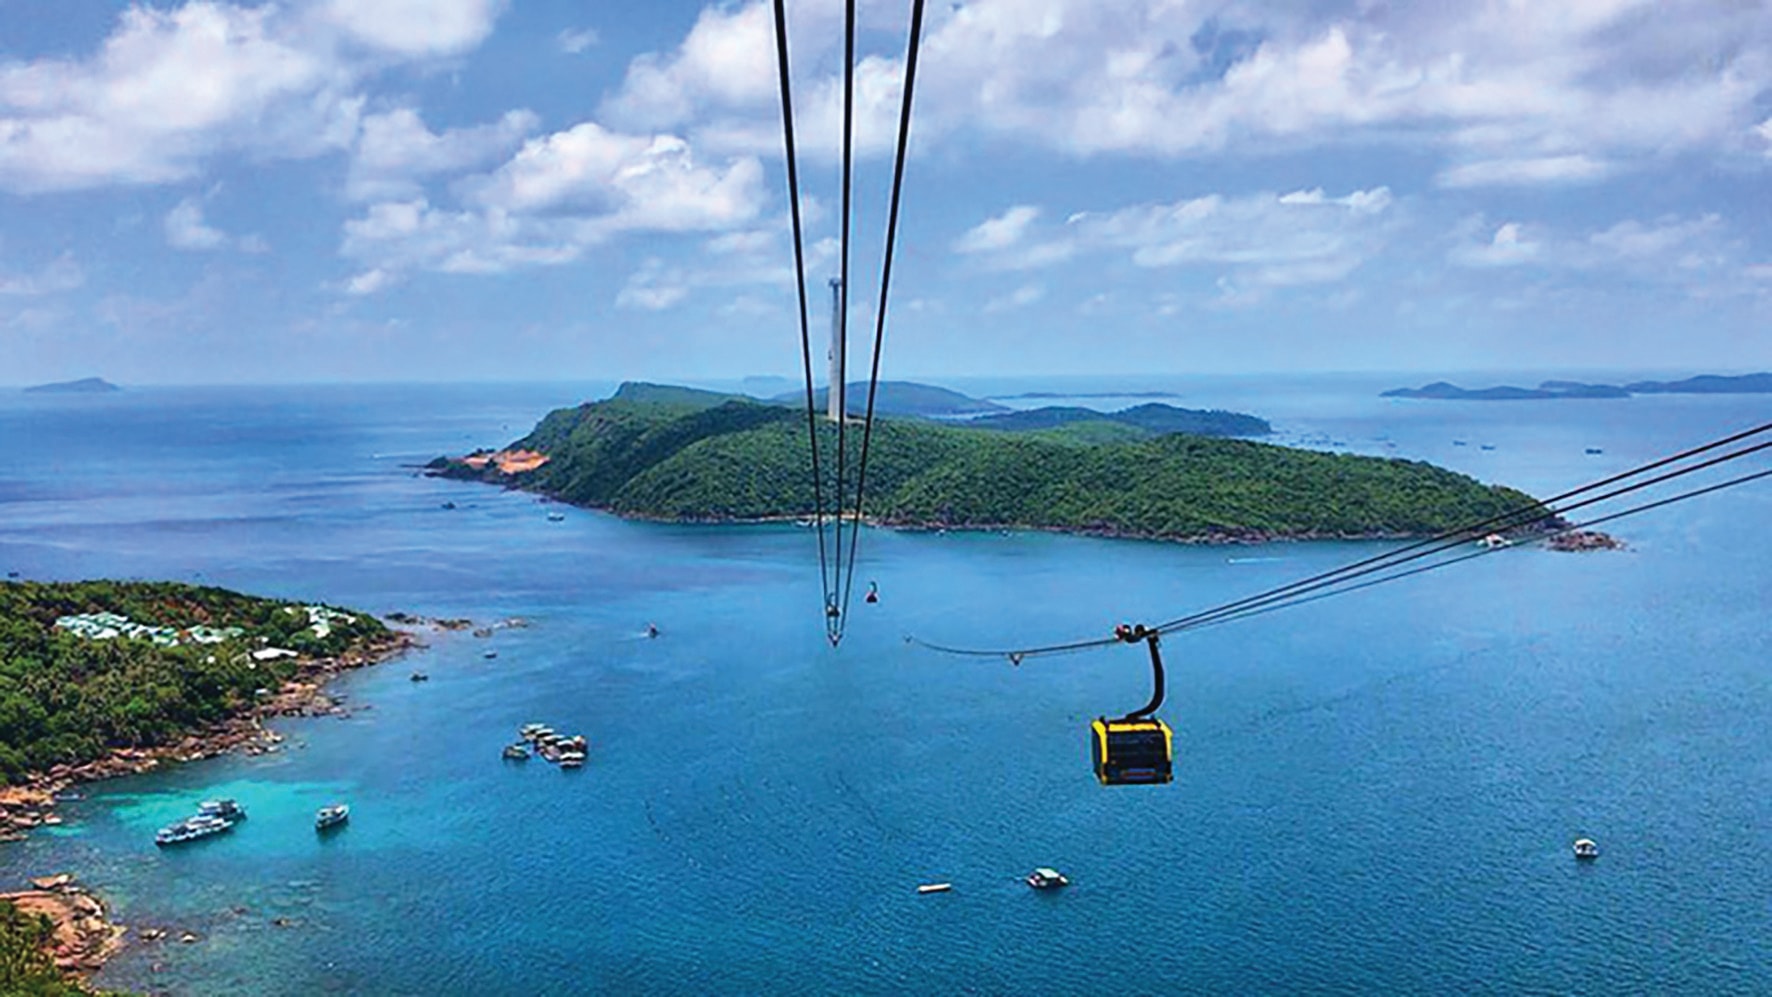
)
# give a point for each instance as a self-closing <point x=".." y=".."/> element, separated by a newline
<point x="192" y="829"/>
<point x="229" y="810"/>
<point x="331" y="817"/>
<point x="1586" y="849"/>
<point x="1047" y="879"/>
<point x="935" y="887"/>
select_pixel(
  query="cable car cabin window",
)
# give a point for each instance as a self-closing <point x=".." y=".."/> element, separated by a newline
<point x="1132" y="752"/>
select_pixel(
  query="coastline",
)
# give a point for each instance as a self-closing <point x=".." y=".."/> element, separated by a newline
<point x="30" y="804"/>
<point x="83" y="939"/>
<point x="1225" y="537"/>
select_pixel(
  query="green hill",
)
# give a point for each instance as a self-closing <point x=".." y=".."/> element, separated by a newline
<point x="68" y="697"/>
<point x="899" y="398"/>
<point x="744" y="461"/>
<point x="1152" y="418"/>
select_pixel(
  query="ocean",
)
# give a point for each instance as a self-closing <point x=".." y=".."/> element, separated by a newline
<point x="1374" y="793"/>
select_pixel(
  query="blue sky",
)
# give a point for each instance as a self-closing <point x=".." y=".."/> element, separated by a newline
<point x="218" y="191"/>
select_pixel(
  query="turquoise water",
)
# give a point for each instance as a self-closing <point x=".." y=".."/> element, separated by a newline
<point x="1374" y="793"/>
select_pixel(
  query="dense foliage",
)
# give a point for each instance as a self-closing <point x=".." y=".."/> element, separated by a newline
<point x="68" y="699"/>
<point x="740" y="460"/>
<point x="1153" y="418"/>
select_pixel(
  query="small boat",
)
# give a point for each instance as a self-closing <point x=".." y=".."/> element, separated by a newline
<point x="420" y="677"/>
<point x="540" y="732"/>
<point x="228" y="810"/>
<point x="516" y="753"/>
<point x="489" y="654"/>
<point x="1488" y="446"/>
<point x="873" y="592"/>
<point x="1047" y="879"/>
<point x="449" y="505"/>
<point x="555" y="517"/>
<point x="192" y="829"/>
<point x="1586" y="850"/>
<point x="528" y="730"/>
<point x="935" y="887"/>
<point x="572" y="761"/>
<point x="1494" y="541"/>
<point x="1459" y="443"/>
<point x="652" y="630"/>
<point x="1594" y="450"/>
<point x="331" y="817"/>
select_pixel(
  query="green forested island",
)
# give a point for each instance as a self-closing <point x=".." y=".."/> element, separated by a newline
<point x="89" y="667"/>
<point x="718" y="458"/>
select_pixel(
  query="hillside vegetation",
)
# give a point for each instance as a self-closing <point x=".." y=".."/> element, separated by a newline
<point x="738" y="460"/>
<point x="68" y="699"/>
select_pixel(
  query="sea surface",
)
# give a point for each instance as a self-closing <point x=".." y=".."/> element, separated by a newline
<point x="1375" y="793"/>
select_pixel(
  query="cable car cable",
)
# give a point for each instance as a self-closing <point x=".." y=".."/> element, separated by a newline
<point x="1346" y="573"/>
<point x="1422" y="569"/>
<point x="1391" y="558"/>
<point x="912" y="46"/>
<point x="1503" y="521"/>
<point x="833" y="613"/>
<point x="793" y="172"/>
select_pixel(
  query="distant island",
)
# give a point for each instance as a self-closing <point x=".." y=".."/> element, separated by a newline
<point x="674" y="454"/>
<point x="900" y="398"/>
<point x="84" y="386"/>
<point x="1086" y="394"/>
<point x="1704" y="384"/>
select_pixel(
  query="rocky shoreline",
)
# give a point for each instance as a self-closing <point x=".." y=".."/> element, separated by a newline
<point x="31" y="804"/>
<point x="83" y="937"/>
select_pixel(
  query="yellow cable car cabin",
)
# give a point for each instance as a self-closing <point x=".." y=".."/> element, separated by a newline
<point x="1132" y="751"/>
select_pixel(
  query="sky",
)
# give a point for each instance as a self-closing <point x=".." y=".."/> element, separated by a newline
<point x="455" y="190"/>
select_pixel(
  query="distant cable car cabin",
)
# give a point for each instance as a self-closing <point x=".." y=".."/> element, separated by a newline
<point x="1137" y="749"/>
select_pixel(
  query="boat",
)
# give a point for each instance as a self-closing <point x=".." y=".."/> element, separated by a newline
<point x="555" y="517"/>
<point x="449" y="505"/>
<point x="192" y="829"/>
<point x="331" y="817"/>
<point x="228" y="810"/>
<point x="528" y="730"/>
<point x="1594" y="450"/>
<point x="516" y="753"/>
<point x="489" y="654"/>
<point x="1586" y="850"/>
<point x="1494" y="541"/>
<point x="935" y="887"/>
<point x="420" y="677"/>
<point x="572" y="760"/>
<point x="541" y="733"/>
<point x="1047" y="879"/>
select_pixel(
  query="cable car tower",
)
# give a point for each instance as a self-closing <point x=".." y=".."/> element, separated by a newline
<point x="838" y="357"/>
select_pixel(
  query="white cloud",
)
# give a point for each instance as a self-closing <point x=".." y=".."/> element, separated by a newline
<point x="574" y="41"/>
<point x="727" y="60"/>
<point x="171" y="87"/>
<point x="395" y="151"/>
<point x="635" y="181"/>
<point x="1266" y="240"/>
<point x="61" y="274"/>
<point x="654" y="287"/>
<point x="998" y="233"/>
<point x="186" y="229"/>
<point x="1698" y="253"/>
<point x="414" y="27"/>
<point x="556" y="197"/>
<point x="1524" y="172"/>
<point x="1507" y="247"/>
<point x="1510" y="92"/>
<point x="1021" y="297"/>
